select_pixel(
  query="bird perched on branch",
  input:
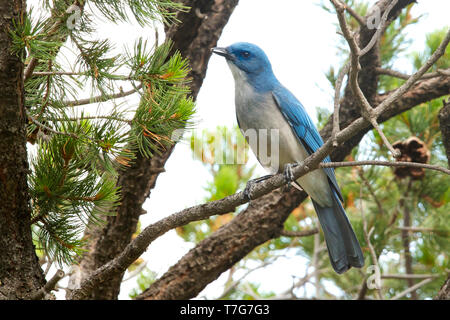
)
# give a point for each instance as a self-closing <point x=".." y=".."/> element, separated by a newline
<point x="281" y="133"/>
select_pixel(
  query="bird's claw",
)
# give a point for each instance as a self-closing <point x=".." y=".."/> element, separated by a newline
<point x="288" y="174"/>
<point x="251" y="184"/>
<point x="248" y="189"/>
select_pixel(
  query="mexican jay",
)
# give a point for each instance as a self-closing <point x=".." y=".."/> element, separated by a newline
<point x="263" y="105"/>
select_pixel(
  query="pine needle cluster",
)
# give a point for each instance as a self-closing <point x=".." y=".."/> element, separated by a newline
<point x="78" y="154"/>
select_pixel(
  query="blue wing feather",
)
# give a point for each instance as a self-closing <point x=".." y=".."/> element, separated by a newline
<point x="306" y="131"/>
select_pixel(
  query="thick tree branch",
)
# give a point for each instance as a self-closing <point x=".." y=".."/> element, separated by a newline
<point x="49" y="286"/>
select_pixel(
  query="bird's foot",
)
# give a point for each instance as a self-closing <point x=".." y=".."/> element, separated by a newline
<point x="251" y="184"/>
<point x="288" y="175"/>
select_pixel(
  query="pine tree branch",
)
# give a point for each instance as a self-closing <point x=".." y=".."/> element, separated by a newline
<point x="129" y="122"/>
<point x="102" y="98"/>
<point x="367" y="235"/>
<point x="337" y="99"/>
<point x="47" y="128"/>
<point x="28" y="72"/>
<point x="57" y="73"/>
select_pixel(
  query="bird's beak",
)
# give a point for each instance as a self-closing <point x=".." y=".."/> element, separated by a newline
<point x="222" y="52"/>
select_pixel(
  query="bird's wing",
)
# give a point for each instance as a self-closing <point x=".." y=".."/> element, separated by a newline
<point x="301" y="123"/>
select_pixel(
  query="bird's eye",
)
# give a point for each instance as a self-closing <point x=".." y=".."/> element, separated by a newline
<point x="245" y="54"/>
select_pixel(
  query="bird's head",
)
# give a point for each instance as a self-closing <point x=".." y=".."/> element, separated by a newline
<point x="247" y="58"/>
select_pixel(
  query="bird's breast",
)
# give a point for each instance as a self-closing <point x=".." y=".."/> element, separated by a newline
<point x="273" y="141"/>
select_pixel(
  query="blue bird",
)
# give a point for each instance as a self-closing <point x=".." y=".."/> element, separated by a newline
<point x="263" y="105"/>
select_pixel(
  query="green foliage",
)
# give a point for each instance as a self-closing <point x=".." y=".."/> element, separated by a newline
<point x="144" y="280"/>
<point x="78" y="153"/>
<point x="144" y="11"/>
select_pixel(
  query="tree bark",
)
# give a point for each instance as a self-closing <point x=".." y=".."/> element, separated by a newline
<point x="199" y="31"/>
<point x="20" y="272"/>
<point x="444" y="292"/>
<point x="444" y="123"/>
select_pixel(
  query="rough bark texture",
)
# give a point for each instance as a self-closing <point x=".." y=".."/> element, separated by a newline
<point x="20" y="273"/>
<point x="444" y="292"/>
<point x="199" y="31"/>
<point x="444" y="123"/>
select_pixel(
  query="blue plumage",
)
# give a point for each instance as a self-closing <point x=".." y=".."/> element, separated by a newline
<point x="264" y="104"/>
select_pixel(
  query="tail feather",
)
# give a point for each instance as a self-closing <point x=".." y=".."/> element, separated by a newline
<point x="343" y="246"/>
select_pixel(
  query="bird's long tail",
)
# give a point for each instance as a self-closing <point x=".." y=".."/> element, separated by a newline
<point x="343" y="246"/>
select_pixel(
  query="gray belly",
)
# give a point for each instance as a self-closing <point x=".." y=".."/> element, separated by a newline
<point x="275" y="144"/>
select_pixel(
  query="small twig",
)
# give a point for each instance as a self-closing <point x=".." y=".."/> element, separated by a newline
<point x="367" y="236"/>
<point x="383" y="163"/>
<point x="409" y="276"/>
<point x="298" y="234"/>
<point x="49" y="286"/>
<point x="288" y="294"/>
<point x="236" y="282"/>
<point x="371" y="191"/>
<point x="418" y="229"/>
<point x="361" y="20"/>
<point x="91" y="118"/>
<point x="380" y="29"/>
<point x="34" y="61"/>
<point x="411" y="289"/>
<point x="400" y="75"/>
<point x="43" y="126"/>
<point x="49" y="264"/>
<point x="102" y="98"/>
<point x="416" y="76"/>
<point x="57" y="73"/>
<point x="135" y="272"/>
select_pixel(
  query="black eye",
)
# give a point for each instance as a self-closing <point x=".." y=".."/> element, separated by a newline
<point x="245" y="54"/>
